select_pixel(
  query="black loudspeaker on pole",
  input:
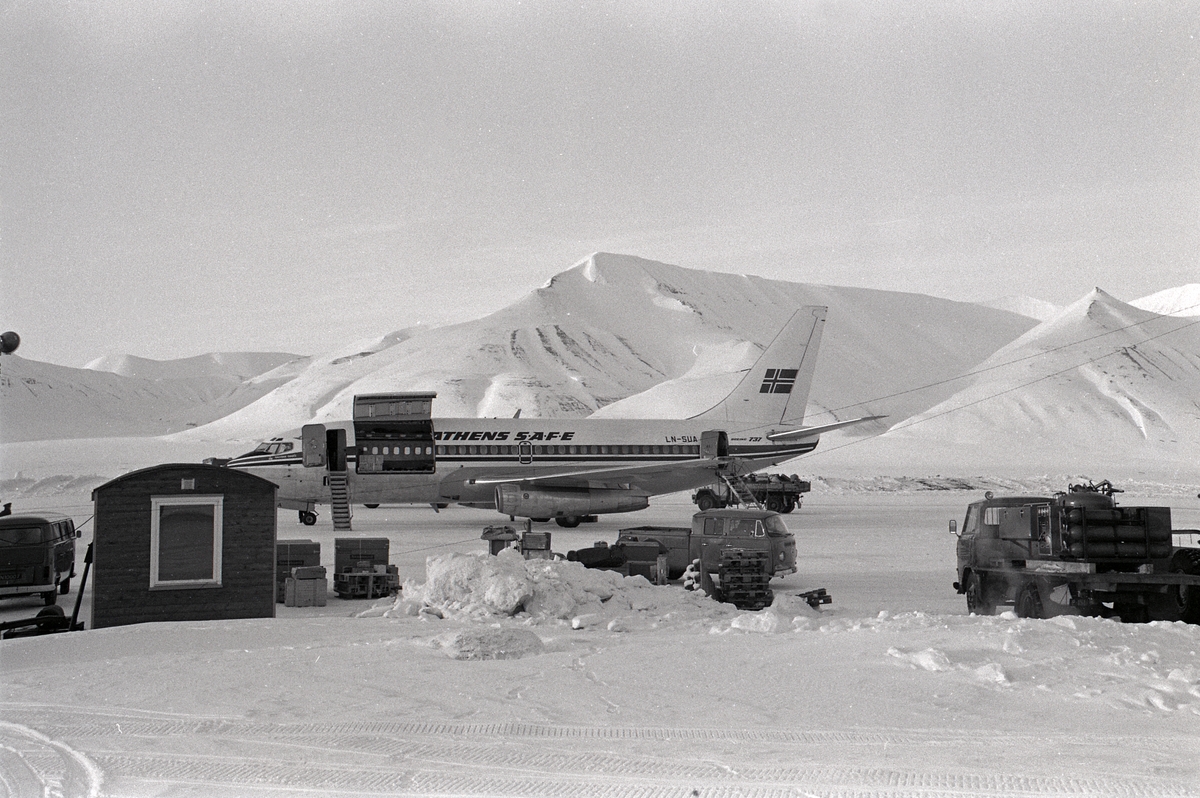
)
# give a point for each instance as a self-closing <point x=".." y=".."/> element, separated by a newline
<point x="9" y="342"/>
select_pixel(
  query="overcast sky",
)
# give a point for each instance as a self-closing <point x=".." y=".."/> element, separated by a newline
<point x="179" y="178"/>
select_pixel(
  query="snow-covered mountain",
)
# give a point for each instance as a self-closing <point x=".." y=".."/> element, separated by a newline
<point x="1029" y="306"/>
<point x="43" y="401"/>
<point x="1181" y="301"/>
<point x="602" y="333"/>
<point x="1103" y="385"/>
<point x="966" y="388"/>
<point x="233" y="366"/>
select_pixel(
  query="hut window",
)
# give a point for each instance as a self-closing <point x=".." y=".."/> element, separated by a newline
<point x="185" y="541"/>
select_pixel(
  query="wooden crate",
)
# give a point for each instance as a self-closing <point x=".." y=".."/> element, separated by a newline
<point x="305" y="592"/>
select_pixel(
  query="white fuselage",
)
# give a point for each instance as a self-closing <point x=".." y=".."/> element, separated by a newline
<point x="473" y="455"/>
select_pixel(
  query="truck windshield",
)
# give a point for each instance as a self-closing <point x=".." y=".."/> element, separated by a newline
<point x="775" y="527"/>
<point x="20" y="536"/>
<point x="748" y="527"/>
<point x="971" y="521"/>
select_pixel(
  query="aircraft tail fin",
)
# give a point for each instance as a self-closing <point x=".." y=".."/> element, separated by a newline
<point x="775" y="389"/>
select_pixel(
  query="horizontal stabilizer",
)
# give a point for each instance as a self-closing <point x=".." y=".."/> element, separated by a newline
<point x="809" y="432"/>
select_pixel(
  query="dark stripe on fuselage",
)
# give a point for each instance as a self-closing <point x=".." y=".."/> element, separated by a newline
<point x="743" y="452"/>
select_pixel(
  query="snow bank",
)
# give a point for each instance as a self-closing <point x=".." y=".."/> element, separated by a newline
<point x="480" y="644"/>
<point x="480" y="586"/>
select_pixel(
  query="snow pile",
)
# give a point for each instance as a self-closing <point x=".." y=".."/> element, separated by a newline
<point x="480" y="644"/>
<point x="480" y="586"/>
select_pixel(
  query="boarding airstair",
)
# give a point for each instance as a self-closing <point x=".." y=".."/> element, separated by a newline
<point x="339" y="499"/>
<point x="738" y="487"/>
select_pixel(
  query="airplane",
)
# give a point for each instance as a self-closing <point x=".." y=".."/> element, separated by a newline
<point x="566" y="469"/>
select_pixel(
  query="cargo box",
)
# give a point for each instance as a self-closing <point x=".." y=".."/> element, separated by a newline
<point x="305" y="592"/>
<point x="359" y="554"/>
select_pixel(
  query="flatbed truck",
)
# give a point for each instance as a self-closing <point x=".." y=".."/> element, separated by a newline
<point x="1076" y="553"/>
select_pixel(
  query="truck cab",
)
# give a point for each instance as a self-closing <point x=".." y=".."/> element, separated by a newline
<point x="750" y="530"/>
<point x="715" y="531"/>
<point x="37" y="555"/>
<point x="979" y="541"/>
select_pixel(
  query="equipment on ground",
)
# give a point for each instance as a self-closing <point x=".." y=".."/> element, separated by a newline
<point x="816" y="598"/>
<point x="361" y="568"/>
<point x="532" y="545"/>
<point x="37" y="555"/>
<point x="730" y="554"/>
<point x="779" y="493"/>
<point x="51" y="619"/>
<point x="1076" y="553"/>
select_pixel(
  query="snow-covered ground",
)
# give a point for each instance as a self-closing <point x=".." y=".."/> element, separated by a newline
<point x="601" y="685"/>
<point x="892" y="690"/>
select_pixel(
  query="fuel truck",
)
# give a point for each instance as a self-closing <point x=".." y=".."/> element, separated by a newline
<point x="1076" y="553"/>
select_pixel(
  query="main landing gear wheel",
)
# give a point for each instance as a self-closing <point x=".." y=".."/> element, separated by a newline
<point x="370" y="506"/>
<point x="308" y="517"/>
<point x="978" y="601"/>
<point x="568" y="521"/>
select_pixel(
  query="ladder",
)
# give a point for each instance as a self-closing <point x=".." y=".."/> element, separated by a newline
<point x="339" y="499"/>
<point x="739" y="488"/>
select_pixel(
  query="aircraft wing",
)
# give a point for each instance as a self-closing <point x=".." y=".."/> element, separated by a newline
<point x="808" y="432"/>
<point x="611" y="473"/>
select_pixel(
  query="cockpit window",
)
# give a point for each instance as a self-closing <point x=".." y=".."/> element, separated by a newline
<point x="272" y="447"/>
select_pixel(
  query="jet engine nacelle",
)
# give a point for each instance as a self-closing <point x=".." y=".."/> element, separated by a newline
<point x="521" y="502"/>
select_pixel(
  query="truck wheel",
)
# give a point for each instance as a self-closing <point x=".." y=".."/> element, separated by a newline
<point x="64" y="587"/>
<point x="978" y="600"/>
<point x="705" y="501"/>
<point x="50" y="597"/>
<point x="774" y="504"/>
<point x="1029" y="602"/>
<point x="1186" y="598"/>
<point x="788" y="506"/>
<point x="308" y="518"/>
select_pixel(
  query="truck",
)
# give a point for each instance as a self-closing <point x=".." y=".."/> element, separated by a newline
<point x="779" y="493"/>
<point x="742" y="548"/>
<point x="1075" y="553"/>
<point x="37" y="555"/>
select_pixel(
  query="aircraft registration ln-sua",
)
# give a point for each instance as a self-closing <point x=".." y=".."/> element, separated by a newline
<point x="560" y="468"/>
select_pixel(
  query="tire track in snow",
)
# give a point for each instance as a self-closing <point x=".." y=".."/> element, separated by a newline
<point x="532" y="759"/>
<point x="516" y="780"/>
<point x="33" y="764"/>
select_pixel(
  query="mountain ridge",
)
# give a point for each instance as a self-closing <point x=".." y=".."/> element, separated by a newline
<point x="617" y="336"/>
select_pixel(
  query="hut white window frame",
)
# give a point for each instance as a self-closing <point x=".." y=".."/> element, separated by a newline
<point x="156" y="505"/>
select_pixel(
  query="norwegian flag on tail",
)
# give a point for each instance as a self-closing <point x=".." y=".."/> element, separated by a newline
<point x="779" y="381"/>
